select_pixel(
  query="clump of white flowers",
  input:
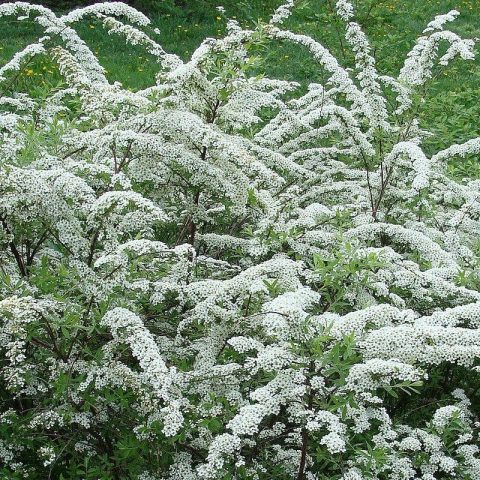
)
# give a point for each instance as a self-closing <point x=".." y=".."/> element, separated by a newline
<point x="231" y="276"/>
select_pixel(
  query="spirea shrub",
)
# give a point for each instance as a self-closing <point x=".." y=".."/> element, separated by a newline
<point x="227" y="276"/>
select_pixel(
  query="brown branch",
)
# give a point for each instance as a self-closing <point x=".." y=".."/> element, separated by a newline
<point x="13" y="248"/>
<point x="305" y="437"/>
<point x="93" y="244"/>
<point x="69" y="154"/>
<point x="53" y="339"/>
<point x="31" y="253"/>
<point x="192" y="226"/>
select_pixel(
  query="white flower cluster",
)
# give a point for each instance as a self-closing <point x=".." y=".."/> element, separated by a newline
<point x="232" y="276"/>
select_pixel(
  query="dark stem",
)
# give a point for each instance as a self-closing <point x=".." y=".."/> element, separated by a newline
<point x="305" y="437"/>
<point x="93" y="244"/>
<point x="192" y="225"/>
<point x="14" y="250"/>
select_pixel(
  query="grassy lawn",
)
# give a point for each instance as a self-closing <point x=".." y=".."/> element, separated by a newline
<point x="452" y="109"/>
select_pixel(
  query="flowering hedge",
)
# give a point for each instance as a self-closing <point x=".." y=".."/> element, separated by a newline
<point x="226" y="276"/>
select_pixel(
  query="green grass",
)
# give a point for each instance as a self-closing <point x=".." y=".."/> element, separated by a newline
<point x="452" y="109"/>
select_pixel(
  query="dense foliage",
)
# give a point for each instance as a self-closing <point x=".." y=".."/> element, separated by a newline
<point x="142" y="5"/>
<point x="226" y="276"/>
